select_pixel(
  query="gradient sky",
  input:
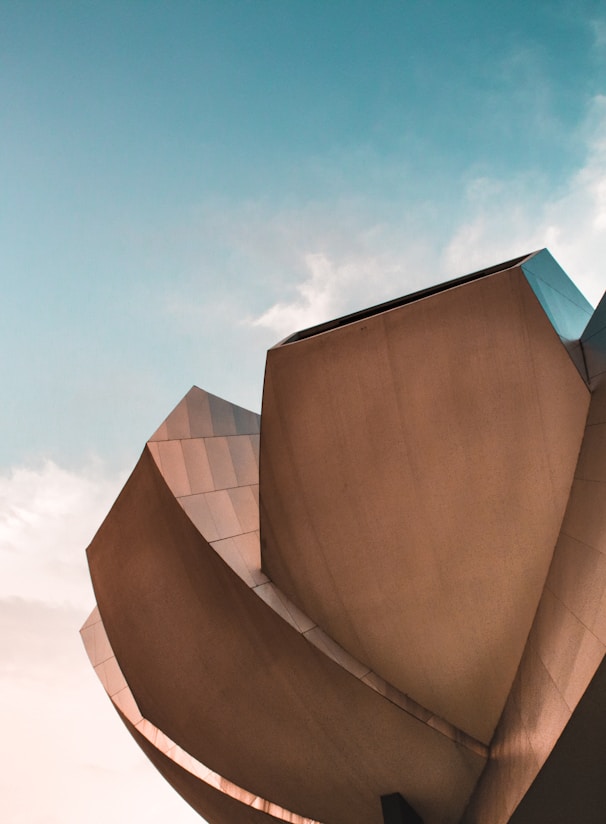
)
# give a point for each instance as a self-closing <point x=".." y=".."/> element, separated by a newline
<point x="184" y="183"/>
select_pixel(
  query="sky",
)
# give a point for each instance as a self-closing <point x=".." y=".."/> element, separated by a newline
<point x="183" y="184"/>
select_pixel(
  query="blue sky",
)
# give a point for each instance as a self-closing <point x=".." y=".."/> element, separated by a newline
<point x="182" y="184"/>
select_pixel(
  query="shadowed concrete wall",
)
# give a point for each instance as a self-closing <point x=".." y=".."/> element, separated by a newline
<point x="571" y="786"/>
<point x="567" y="641"/>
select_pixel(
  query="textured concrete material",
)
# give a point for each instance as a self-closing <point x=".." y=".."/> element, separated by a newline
<point x="567" y="641"/>
<point x="390" y="586"/>
<point x="230" y="467"/>
<point x="217" y="671"/>
<point x="412" y="494"/>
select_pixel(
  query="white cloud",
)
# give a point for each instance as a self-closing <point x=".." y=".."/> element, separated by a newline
<point x="495" y="220"/>
<point x="329" y="287"/>
<point x="505" y="218"/>
<point x="61" y="734"/>
<point x="361" y="263"/>
<point x="320" y="264"/>
<point x="48" y="515"/>
<point x="598" y="28"/>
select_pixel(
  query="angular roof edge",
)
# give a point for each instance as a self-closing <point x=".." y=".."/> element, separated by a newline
<point x="344" y="320"/>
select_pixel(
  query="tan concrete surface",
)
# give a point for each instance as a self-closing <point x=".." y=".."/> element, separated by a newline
<point x="189" y="773"/>
<point x="212" y="804"/>
<point x="415" y="468"/>
<point x="235" y="686"/>
<point x="566" y="645"/>
<point x="230" y="477"/>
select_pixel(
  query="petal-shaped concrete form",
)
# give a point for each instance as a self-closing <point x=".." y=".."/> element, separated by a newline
<point x="416" y="584"/>
<point x="215" y="479"/>
<point x="204" y="789"/>
<point x="566" y="644"/>
<point x="415" y="468"/>
<point x="223" y="676"/>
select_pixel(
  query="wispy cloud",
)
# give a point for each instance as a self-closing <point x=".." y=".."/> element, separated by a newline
<point x="57" y="723"/>
<point x="504" y="218"/>
<point x="48" y="515"/>
<point x="59" y="727"/>
<point x="496" y="219"/>
<point x="598" y="27"/>
<point x="329" y="285"/>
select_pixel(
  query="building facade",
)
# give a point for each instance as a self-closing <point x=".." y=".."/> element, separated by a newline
<point x="384" y="599"/>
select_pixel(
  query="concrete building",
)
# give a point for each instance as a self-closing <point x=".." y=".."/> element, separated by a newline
<point x="402" y="616"/>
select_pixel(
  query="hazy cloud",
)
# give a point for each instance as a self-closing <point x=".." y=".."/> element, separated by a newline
<point x="58" y="725"/>
<point x="505" y="218"/>
<point x="496" y="219"/>
<point x="62" y="733"/>
<point x="329" y="286"/>
<point x="48" y="515"/>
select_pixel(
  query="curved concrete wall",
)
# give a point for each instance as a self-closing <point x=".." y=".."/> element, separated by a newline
<point x="566" y="644"/>
<point x="240" y="690"/>
<point x="209" y="793"/>
<point x="415" y="468"/>
<point x="214" y="476"/>
<point x="416" y="464"/>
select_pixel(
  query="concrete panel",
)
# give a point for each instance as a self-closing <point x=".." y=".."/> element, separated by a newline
<point x="177" y="425"/>
<point x="172" y="466"/>
<point x="571" y="785"/>
<point x="245" y="457"/>
<point x="577" y="577"/>
<point x="194" y="780"/>
<point x="295" y="728"/>
<point x="415" y="469"/>
<point x="233" y="531"/>
<point x="196" y="465"/>
<point x="221" y="464"/>
<point x="199" y="413"/>
<point x="200" y="513"/>
<point x="215" y="806"/>
<point x="222" y="414"/>
<point x="597" y="410"/>
<point x="246" y="508"/>
<point x="570" y="652"/>
<point x="565" y="648"/>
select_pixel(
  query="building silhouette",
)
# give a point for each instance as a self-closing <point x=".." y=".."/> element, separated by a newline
<point x="402" y="616"/>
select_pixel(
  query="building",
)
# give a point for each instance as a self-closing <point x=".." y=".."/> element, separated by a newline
<point x="403" y="617"/>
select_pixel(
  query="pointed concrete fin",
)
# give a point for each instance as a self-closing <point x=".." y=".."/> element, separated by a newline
<point x="176" y="425"/>
<point x="202" y="415"/>
<point x="565" y="306"/>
